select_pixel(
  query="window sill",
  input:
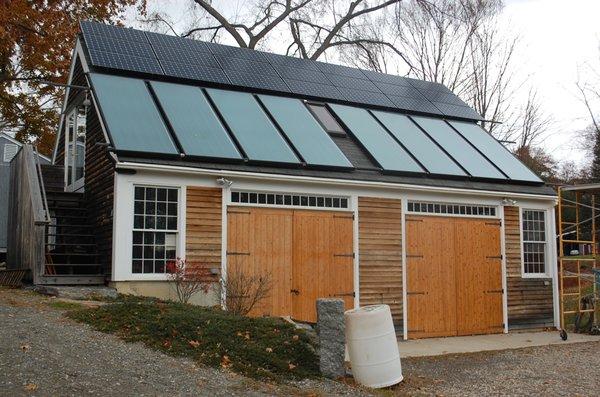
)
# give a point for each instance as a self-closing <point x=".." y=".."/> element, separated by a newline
<point x="536" y="275"/>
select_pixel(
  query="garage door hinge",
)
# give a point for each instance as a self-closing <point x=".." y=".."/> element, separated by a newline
<point x="495" y="257"/>
<point x="352" y="255"/>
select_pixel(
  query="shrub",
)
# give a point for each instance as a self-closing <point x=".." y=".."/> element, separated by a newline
<point x="187" y="280"/>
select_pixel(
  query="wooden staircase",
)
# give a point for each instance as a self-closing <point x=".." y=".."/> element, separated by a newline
<point x="71" y="256"/>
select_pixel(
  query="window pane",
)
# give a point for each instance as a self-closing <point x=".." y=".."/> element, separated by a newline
<point x="305" y="133"/>
<point x="195" y="123"/>
<point x="327" y="120"/>
<point x="131" y="117"/>
<point x="254" y="131"/>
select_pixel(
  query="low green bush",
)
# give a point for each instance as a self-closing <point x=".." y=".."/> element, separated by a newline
<point x="264" y="348"/>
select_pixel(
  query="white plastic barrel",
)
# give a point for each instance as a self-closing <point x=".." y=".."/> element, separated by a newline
<point x="372" y="346"/>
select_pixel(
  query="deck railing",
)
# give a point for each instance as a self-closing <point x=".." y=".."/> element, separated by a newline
<point x="27" y="215"/>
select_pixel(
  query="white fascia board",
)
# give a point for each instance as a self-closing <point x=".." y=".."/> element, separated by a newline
<point x="263" y="177"/>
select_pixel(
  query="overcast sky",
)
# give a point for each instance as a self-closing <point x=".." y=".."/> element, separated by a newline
<point x="558" y="38"/>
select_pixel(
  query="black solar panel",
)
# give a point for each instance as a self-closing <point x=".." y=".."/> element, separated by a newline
<point x="116" y="32"/>
<point x="194" y="72"/>
<point x="261" y="81"/>
<point x="401" y="90"/>
<point x="134" y="50"/>
<point x="236" y="52"/>
<point x="288" y="72"/>
<point x="367" y="97"/>
<point x="170" y="54"/>
<point x="125" y="62"/>
<point x="330" y="68"/>
<point x="414" y="104"/>
<point x="108" y="44"/>
<point x="292" y="62"/>
<point x="387" y="78"/>
<point x="457" y="111"/>
<point x="245" y="65"/>
<point x="177" y="43"/>
<point x="351" y="82"/>
<point x="306" y="88"/>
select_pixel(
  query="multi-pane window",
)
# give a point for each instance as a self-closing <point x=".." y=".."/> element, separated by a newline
<point x="534" y="242"/>
<point x="154" y="228"/>
<point x="293" y="200"/>
<point x="424" y="207"/>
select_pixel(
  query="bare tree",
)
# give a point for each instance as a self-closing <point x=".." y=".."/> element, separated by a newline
<point x="307" y="28"/>
<point x="244" y="291"/>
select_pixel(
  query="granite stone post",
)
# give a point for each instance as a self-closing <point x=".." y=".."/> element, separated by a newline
<point x="331" y="330"/>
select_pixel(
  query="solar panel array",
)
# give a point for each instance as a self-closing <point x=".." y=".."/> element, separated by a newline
<point x="134" y="50"/>
<point x="172" y="119"/>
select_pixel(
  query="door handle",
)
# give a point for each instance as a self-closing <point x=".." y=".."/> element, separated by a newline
<point x="295" y="291"/>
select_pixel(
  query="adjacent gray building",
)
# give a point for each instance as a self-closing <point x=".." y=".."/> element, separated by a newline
<point x="8" y="149"/>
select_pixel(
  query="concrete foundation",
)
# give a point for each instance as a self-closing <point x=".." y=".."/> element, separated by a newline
<point x="164" y="290"/>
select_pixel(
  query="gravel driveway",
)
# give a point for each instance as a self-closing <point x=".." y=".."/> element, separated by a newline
<point x="43" y="353"/>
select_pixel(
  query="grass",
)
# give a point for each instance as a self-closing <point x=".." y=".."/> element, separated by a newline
<point x="62" y="305"/>
<point x="262" y="348"/>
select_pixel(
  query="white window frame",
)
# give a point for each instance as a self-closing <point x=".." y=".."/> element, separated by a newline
<point x="547" y="243"/>
<point x="178" y="232"/>
<point x="465" y="203"/>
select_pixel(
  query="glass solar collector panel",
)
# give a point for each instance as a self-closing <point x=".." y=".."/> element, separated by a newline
<point x="195" y="124"/>
<point x="419" y="144"/>
<point x="251" y="126"/>
<point x="305" y="133"/>
<point x="384" y="149"/>
<point x="469" y="158"/>
<point x="494" y="150"/>
<point x="132" y="119"/>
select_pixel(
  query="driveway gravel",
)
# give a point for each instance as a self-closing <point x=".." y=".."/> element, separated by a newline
<point x="42" y="353"/>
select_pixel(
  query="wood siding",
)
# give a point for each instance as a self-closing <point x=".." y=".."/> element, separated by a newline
<point x="99" y="189"/>
<point x="530" y="302"/>
<point x="380" y="254"/>
<point x="203" y="230"/>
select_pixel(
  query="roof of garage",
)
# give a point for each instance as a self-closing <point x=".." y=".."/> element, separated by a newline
<point x="188" y="103"/>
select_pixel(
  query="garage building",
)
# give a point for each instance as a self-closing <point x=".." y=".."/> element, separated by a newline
<point x="335" y="181"/>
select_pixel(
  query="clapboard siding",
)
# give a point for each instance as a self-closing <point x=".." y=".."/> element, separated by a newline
<point x="530" y="302"/>
<point x="380" y="253"/>
<point x="204" y="230"/>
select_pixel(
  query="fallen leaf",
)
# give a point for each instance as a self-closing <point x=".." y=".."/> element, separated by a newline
<point x="295" y="337"/>
<point x="167" y="344"/>
<point x="194" y="343"/>
<point x="292" y="366"/>
<point x="31" y="387"/>
<point x="269" y="350"/>
<point x="25" y="347"/>
<point x="225" y="362"/>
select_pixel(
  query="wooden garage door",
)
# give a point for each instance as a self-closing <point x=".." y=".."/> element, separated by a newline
<point x="308" y="255"/>
<point x="454" y="276"/>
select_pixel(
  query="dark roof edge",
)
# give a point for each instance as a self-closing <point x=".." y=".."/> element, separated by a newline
<point x="541" y="191"/>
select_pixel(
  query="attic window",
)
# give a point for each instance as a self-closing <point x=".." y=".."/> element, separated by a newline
<point x="325" y="118"/>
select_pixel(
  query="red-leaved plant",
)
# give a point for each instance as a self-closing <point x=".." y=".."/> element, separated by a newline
<point x="188" y="279"/>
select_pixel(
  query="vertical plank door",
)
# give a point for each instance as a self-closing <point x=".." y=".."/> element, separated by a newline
<point x="478" y="276"/>
<point x="431" y="302"/>
<point x="259" y="244"/>
<point x="322" y="261"/>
